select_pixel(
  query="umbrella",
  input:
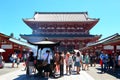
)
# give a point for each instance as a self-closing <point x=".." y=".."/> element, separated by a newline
<point x="2" y="50"/>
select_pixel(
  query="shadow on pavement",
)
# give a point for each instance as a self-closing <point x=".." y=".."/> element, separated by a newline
<point x="31" y="77"/>
<point x="110" y="72"/>
<point x="37" y="77"/>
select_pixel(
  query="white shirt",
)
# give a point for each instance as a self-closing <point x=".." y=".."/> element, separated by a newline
<point x="14" y="56"/>
<point x="119" y="57"/>
<point x="49" y="57"/>
<point x="78" y="59"/>
<point x="70" y="60"/>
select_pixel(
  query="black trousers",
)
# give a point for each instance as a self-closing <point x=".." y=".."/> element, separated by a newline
<point x="61" y="69"/>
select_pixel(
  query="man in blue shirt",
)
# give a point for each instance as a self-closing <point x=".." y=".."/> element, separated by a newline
<point x="104" y="59"/>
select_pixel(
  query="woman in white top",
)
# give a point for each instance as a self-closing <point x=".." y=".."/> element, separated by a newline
<point x="14" y="56"/>
<point x="69" y="62"/>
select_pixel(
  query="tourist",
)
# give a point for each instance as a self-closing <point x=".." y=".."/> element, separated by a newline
<point x="91" y="59"/>
<point x="1" y="60"/>
<point x="30" y="63"/>
<point x="69" y="62"/>
<point x="119" y="63"/>
<point x="14" y="57"/>
<point x="114" y="61"/>
<point x="24" y="60"/>
<point x="87" y="61"/>
<point x="47" y="57"/>
<point x="18" y="61"/>
<point x="74" y="59"/>
<point x="78" y="62"/>
<point x="94" y="59"/>
<point x="57" y="63"/>
<point x="61" y="63"/>
<point x="103" y="61"/>
<point x="82" y="60"/>
<point x="110" y="61"/>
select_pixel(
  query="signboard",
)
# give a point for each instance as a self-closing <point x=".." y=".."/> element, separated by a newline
<point x="109" y="47"/>
<point x="6" y="46"/>
<point x="118" y="47"/>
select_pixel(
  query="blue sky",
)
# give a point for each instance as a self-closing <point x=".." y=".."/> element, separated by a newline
<point x="13" y="11"/>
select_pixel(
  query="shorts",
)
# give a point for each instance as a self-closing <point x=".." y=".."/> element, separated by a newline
<point x="77" y="64"/>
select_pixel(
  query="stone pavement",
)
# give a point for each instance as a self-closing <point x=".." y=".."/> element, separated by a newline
<point x="7" y="68"/>
<point x="92" y="74"/>
<point x="20" y="74"/>
<point x="96" y="74"/>
<point x="7" y="72"/>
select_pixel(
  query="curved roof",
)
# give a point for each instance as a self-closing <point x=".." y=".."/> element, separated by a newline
<point x="106" y="40"/>
<point x="61" y="35"/>
<point x="60" y="16"/>
<point x="43" y="44"/>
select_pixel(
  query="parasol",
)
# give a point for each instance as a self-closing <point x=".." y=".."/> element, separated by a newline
<point x="2" y="50"/>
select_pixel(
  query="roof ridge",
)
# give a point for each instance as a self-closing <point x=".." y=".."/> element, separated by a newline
<point x="61" y="12"/>
<point x="109" y="37"/>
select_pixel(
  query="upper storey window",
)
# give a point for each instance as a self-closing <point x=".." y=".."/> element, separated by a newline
<point x="62" y="28"/>
<point x="81" y="28"/>
<point x="52" y="28"/>
<point x="58" y="28"/>
<point x="48" y="28"/>
<point x="78" y="28"/>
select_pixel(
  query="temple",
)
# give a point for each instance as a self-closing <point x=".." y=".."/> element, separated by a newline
<point x="71" y="28"/>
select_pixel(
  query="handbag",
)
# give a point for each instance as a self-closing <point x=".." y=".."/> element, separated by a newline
<point x="45" y="62"/>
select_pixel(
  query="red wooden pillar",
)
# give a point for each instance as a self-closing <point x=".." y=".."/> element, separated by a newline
<point x="115" y="48"/>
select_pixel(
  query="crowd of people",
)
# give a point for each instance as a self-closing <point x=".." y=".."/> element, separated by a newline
<point x="54" y="64"/>
<point x="109" y="61"/>
<point x="72" y="61"/>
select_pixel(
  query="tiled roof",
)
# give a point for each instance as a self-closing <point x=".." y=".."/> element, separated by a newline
<point x="59" y="35"/>
<point x="21" y="42"/>
<point x="103" y="41"/>
<point x="61" y="16"/>
<point x="4" y="35"/>
<point x="115" y="40"/>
